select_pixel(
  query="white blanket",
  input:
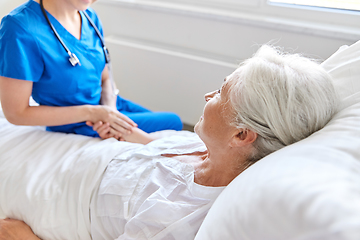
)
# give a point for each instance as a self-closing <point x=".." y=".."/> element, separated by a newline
<point x="56" y="175"/>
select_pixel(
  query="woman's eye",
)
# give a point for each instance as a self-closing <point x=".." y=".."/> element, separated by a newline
<point x="218" y="91"/>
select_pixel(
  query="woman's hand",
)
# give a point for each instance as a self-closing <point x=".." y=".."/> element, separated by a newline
<point x="104" y="130"/>
<point x="109" y="122"/>
<point x="11" y="229"/>
<point x="137" y="135"/>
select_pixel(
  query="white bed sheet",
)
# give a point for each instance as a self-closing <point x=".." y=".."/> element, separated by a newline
<point x="49" y="179"/>
<point x="58" y="174"/>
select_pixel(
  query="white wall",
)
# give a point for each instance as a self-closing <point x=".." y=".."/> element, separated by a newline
<point x="7" y="5"/>
<point x="166" y="57"/>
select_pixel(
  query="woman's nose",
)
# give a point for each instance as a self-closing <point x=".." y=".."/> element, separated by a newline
<point x="209" y="96"/>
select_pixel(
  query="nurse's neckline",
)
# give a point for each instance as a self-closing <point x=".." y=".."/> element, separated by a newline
<point x="67" y="25"/>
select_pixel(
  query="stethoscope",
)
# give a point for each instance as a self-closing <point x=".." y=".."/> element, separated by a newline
<point x="72" y="56"/>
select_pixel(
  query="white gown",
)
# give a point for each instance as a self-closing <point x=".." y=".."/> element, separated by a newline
<point x="146" y="196"/>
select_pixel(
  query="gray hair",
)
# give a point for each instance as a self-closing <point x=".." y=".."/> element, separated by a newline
<point x="282" y="97"/>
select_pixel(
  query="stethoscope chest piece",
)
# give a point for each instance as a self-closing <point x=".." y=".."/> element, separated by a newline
<point x="74" y="59"/>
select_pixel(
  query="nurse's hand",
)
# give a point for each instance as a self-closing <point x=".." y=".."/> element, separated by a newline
<point x="137" y="135"/>
<point x="104" y="130"/>
<point x="120" y="125"/>
<point x="11" y="229"/>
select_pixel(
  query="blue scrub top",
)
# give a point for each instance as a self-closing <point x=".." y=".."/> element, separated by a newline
<point x="30" y="51"/>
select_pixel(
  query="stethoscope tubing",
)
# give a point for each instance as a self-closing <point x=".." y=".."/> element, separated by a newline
<point x="73" y="58"/>
<point x="72" y="55"/>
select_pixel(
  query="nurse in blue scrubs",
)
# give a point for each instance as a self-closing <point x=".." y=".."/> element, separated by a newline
<point x="67" y="75"/>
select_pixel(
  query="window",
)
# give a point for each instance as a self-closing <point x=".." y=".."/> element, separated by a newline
<point x="223" y="4"/>
<point x="341" y="14"/>
<point x="326" y="18"/>
<point x="338" y="4"/>
<point x="232" y="2"/>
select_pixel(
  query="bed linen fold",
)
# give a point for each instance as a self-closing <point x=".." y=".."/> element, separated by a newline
<point x="48" y="180"/>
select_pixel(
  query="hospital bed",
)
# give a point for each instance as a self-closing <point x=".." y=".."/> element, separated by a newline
<point x="306" y="191"/>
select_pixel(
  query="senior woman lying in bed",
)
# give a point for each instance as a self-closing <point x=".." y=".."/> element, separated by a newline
<point x="164" y="189"/>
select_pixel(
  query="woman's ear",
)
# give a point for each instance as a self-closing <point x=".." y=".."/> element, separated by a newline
<point x="243" y="137"/>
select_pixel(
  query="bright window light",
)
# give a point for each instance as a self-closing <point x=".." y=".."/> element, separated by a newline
<point x="340" y="4"/>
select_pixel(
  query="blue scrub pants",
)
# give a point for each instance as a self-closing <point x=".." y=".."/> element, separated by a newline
<point x="147" y="120"/>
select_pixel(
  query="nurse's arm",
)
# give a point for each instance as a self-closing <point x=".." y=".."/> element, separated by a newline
<point x="15" y="94"/>
<point x="107" y="95"/>
<point x="108" y="98"/>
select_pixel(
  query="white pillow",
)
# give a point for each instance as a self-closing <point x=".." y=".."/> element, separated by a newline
<point x="309" y="190"/>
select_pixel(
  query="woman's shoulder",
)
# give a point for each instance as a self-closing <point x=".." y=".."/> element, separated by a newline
<point x="23" y="17"/>
<point x="94" y="17"/>
<point x="91" y="12"/>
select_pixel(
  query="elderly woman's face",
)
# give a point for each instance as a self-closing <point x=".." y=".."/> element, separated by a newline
<point x="213" y="126"/>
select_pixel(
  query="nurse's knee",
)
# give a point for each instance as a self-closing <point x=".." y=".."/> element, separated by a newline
<point x="175" y="121"/>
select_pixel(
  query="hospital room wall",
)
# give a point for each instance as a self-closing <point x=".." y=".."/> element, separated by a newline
<point x="7" y="5"/>
<point x="166" y="58"/>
